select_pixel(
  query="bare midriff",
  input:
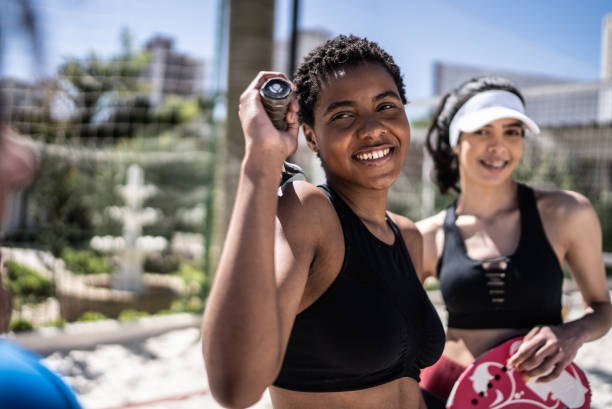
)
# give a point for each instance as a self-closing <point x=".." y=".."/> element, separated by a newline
<point x="464" y="346"/>
<point x="401" y="393"/>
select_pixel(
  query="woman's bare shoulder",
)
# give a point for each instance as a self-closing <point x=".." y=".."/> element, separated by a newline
<point x="431" y="228"/>
<point x="304" y="209"/>
<point x="567" y="216"/>
<point x="562" y="205"/>
<point x="431" y="224"/>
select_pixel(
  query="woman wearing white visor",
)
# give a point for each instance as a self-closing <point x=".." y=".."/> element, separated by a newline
<point x="499" y="250"/>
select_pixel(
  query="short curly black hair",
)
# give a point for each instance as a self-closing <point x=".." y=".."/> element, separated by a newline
<point x="331" y="56"/>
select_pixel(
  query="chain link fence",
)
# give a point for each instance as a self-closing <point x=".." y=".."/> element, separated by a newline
<point x="97" y="117"/>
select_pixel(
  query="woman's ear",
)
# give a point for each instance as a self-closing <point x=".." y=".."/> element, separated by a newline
<point x="311" y="139"/>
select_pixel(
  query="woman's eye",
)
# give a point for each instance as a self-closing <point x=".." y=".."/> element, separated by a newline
<point x="480" y="132"/>
<point x="339" y="116"/>
<point x="385" y="106"/>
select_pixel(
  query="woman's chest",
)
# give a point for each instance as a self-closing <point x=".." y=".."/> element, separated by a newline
<point x="489" y="239"/>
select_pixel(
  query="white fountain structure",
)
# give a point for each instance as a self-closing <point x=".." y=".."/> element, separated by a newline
<point x="132" y="247"/>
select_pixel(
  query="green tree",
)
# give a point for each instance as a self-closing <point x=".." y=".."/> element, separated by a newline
<point x="60" y="193"/>
<point x="96" y="86"/>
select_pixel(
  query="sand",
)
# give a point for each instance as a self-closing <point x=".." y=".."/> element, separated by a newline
<point x="167" y="371"/>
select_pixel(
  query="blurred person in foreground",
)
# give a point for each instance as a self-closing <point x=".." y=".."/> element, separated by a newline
<point x="499" y="250"/>
<point x="17" y="167"/>
<point x="24" y="382"/>
<point x="316" y="295"/>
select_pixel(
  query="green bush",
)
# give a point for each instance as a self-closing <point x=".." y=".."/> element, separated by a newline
<point x="86" y="262"/>
<point x="162" y="264"/>
<point x="91" y="316"/>
<point x="61" y="190"/>
<point x="75" y="193"/>
<point x="26" y="283"/>
<point x="166" y="312"/>
<point x="131" y="315"/>
<point x="21" y="325"/>
<point x="58" y="323"/>
<point x="193" y="305"/>
<point x="195" y="277"/>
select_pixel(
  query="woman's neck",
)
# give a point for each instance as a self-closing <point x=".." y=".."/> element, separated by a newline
<point x="487" y="201"/>
<point x="369" y="205"/>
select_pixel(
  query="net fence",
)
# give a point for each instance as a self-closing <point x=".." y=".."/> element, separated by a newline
<point x="573" y="151"/>
<point x="69" y="235"/>
<point x="93" y="120"/>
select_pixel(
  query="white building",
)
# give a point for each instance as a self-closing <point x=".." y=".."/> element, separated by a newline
<point x="170" y="72"/>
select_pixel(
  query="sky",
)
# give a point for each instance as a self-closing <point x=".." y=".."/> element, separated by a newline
<point x="552" y="37"/>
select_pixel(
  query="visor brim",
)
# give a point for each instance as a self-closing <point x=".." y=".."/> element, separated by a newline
<point x="476" y="120"/>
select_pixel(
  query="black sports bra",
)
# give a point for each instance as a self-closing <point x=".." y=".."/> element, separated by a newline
<point x="373" y="324"/>
<point x="517" y="291"/>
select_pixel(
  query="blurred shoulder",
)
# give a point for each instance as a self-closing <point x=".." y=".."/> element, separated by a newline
<point x="562" y="204"/>
<point x="567" y="215"/>
<point x="432" y="231"/>
<point x="431" y="224"/>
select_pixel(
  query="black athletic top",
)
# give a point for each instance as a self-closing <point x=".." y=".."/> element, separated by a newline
<point x="373" y="324"/>
<point x="517" y="291"/>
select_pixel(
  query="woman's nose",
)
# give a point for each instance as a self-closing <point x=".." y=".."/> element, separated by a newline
<point x="371" y="128"/>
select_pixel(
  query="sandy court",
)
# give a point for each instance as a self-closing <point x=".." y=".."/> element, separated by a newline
<point x="165" y="371"/>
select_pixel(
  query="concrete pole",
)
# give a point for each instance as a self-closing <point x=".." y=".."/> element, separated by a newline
<point x="251" y="45"/>
<point x="251" y="42"/>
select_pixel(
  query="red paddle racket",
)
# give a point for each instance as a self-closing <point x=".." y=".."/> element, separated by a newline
<point x="488" y="383"/>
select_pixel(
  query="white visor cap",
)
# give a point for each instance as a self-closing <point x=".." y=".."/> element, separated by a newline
<point x="486" y="107"/>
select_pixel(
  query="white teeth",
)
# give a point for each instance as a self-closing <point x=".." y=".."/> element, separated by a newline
<point x="374" y="155"/>
<point x="497" y="164"/>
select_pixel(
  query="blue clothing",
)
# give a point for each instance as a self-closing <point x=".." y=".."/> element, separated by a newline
<point x="25" y="383"/>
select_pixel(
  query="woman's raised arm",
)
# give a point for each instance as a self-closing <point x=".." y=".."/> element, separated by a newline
<point x="246" y="322"/>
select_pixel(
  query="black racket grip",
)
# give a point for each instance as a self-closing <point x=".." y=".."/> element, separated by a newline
<point x="275" y="95"/>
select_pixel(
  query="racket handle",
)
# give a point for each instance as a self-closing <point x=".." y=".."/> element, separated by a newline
<point x="275" y="95"/>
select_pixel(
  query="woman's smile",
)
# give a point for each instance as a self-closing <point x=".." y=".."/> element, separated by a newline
<point x="494" y="165"/>
<point x="374" y="156"/>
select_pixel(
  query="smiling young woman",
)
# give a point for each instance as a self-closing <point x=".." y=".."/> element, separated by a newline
<point x="317" y="293"/>
<point x="499" y="250"/>
<point x="363" y="128"/>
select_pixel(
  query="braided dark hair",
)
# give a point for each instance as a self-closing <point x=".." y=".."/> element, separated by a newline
<point x="446" y="167"/>
<point x="331" y="56"/>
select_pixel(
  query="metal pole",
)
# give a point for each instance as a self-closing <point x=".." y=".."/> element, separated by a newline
<point x="294" y="38"/>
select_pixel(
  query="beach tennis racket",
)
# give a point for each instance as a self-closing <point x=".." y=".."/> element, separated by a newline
<point x="275" y="95"/>
<point x="488" y="383"/>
